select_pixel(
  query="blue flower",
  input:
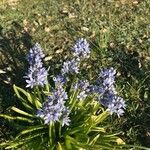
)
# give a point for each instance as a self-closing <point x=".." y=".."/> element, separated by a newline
<point x="82" y="84"/>
<point x="82" y="95"/>
<point x="65" y="117"/>
<point x="106" y="91"/>
<point x="98" y="89"/>
<point x="70" y="67"/>
<point x="117" y="106"/>
<point x="81" y="48"/>
<point x="37" y="74"/>
<point x="60" y="80"/>
<point x="35" y="54"/>
<point x="108" y="78"/>
<point x="107" y="98"/>
<point x="83" y="87"/>
<point x="108" y="73"/>
<point x="54" y="110"/>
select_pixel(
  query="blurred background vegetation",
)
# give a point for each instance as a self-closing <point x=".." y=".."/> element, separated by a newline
<point x="118" y="31"/>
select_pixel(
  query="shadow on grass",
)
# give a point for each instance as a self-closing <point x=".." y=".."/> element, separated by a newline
<point x="13" y="45"/>
<point x="135" y="81"/>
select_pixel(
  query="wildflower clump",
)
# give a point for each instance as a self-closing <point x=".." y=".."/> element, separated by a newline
<point x="54" y="109"/>
<point x="37" y="74"/>
<point x="64" y="115"/>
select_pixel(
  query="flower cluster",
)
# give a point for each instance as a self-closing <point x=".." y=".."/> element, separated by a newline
<point x="108" y="78"/>
<point x="60" y="80"/>
<point x="83" y="87"/>
<point x="70" y="67"/>
<point x="117" y="105"/>
<point x="54" y="109"/>
<point x="81" y="48"/>
<point x="37" y="74"/>
<point x="109" y="98"/>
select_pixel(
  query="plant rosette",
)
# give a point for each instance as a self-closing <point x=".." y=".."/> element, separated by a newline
<point x="70" y="114"/>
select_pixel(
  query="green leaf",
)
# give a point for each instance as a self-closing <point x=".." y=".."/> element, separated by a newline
<point x="31" y="129"/>
<point x="18" y="89"/>
<point x="13" y="145"/>
<point x="59" y="146"/>
<point x="16" y="118"/>
<point x="98" y="119"/>
<point x="75" y="130"/>
<point x="27" y="106"/>
<point x="98" y="129"/>
<point x="76" y="143"/>
<point x="127" y="146"/>
<point x="31" y="99"/>
<point x="37" y="103"/>
<point x="94" y="139"/>
<point x="22" y="112"/>
<point x="52" y="134"/>
<point x="24" y="141"/>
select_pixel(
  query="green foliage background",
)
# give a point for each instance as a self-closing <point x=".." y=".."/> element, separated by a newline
<point x="118" y="31"/>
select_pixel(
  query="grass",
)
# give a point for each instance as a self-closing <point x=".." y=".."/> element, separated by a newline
<point x="118" y="31"/>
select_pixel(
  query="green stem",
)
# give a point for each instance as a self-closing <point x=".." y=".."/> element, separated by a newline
<point x="50" y="134"/>
<point x="73" y="100"/>
<point x="39" y="93"/>
<point x="60" y="130"/>
<point x="47" y="87"/>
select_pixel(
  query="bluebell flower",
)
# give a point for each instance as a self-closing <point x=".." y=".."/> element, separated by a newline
<point x="108" y="78"/>
<point x="83" y="87"/>
<point x="70" y="67"/>
<point x="54" y="109"/>
<point x="35" y="54"/>
<point x="65" y="117"/>
<point x="98" y="89"/>
<point x="81" y="48"/>
<point x="108" y="73"/>
<point x="82" y="95"/>
<point x="82" y="84"/>
<point x="107" y="98"/>
<point x="37" y="74"/>
<point x="106" y="91"/>
<point x="60" y="80"/>
<point x="117" y="106"/>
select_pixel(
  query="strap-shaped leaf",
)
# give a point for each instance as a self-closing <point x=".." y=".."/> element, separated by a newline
<point x="98" y="129"/>
<point x="31" y="99"/>
<point x="27" y="106"/>
<point x="22" y="112"/>
<point x="31" y="129"/>
<point x="75" y="130"/>
<point x="78" y="144"/>
<point x="59" y="146"/>
<point x="98" y="119"/>
<point x="37" y="103"/>
<point x="127" y="146"/>
<point x="16" y="118"/>
<point x="14" y="145"/>
<point x="23" y="141"/>
<point x="18" y="90"/>
<point x="94" y="140"/>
